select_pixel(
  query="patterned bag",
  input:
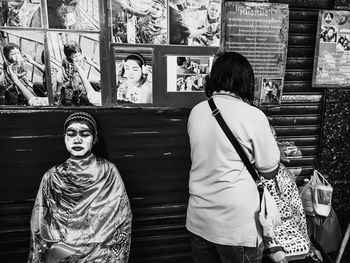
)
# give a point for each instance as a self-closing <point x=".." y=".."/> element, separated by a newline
<point x="291" y="234"/>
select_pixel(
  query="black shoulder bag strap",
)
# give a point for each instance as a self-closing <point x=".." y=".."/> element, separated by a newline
<point x="233" y="140"/>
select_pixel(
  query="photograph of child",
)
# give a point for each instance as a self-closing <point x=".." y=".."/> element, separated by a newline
<point x="271" y="92"/>
<point x="140" y="21"/>
<point x="20" y="13"/>
<point x="195" y="22"/>
<point x="187" y="73"/>
<point x="76" y="59"/>
<point x="18" y="75"/>
<point x="73" y="14"/>
<point x="134" y="75"/>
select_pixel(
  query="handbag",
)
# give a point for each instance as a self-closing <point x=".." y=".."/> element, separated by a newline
<point x="269" y="215"/>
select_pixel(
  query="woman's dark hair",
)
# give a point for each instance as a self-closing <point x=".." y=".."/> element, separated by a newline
<point x="231" y="72"/>
<point x="6" y="50"/>
<point x="71" y="48"/>
<point x="141" y="62"/>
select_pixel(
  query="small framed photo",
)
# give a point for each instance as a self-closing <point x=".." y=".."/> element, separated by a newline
<point x="195" y="23"/>
<point x="187" y="73"/>
<point x="271" y="91"/>
<point x="74" y="15"/>
<point x="140" y="21"/>
<point x="20" y="13"/>
<point x="134" y="74"/>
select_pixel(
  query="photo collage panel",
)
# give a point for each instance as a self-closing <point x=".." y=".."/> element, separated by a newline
<point x="47" y="67"/>
<point x="160" y="22"/>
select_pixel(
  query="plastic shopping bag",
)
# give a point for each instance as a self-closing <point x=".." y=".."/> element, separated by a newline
<point x="306" y="196"/>
<point x="322" y="195"/>
<point x="327" y="232"/>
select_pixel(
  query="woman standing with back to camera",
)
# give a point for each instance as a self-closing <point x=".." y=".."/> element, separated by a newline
<point x="224" y="204"/>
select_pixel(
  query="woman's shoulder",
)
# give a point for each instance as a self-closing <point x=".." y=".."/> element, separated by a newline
<point x="103" y="161"/>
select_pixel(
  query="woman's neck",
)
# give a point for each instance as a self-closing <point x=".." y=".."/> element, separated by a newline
<point x="135" y="84"/>
<point x="228" y="93"/>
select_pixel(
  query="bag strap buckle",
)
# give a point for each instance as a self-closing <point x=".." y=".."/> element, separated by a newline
<point x="215" y="112"/>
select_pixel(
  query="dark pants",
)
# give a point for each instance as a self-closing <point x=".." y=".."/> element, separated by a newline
<point x="204" y="251"/>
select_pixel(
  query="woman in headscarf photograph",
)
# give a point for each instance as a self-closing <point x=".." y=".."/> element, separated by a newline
<point x="82" y="211"/>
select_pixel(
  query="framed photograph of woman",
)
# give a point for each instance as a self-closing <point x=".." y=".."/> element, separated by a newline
<point x="195" y="22"/>
<point x="140" y="21"/>
<point x="133" y="69"/>
<point x="187" y="73"/>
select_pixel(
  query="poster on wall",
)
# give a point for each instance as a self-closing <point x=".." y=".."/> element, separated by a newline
<point x="133" y="71"/>
<point x="332" y="52"/>
<point x="187" y="73"/>
<point x="259" y="31"/>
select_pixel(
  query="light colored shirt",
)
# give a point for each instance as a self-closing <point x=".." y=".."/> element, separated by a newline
<point x="134" y="94"/>
<point x="224" y="202"/>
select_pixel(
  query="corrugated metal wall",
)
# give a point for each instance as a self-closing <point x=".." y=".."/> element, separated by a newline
<point x="150" y="147"/>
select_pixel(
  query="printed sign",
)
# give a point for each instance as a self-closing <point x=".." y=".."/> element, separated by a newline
<point x="332" y="52"/>
<point x="259" y="31"/>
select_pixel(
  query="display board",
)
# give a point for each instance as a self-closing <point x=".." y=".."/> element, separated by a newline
<point x="259" y="31"/>
<point x="332" y="51"/>
<point x="68" y="48"/>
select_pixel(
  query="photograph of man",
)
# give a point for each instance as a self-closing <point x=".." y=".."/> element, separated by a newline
<point x="328" y="34"/>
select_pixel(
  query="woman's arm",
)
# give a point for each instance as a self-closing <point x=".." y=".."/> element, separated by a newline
<point x="30" y="60"/>
<point x="94" y="97"/>
<point x="22" y="74"/>
<point x="26" y="93"/>
<point x="32" y="100"/>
